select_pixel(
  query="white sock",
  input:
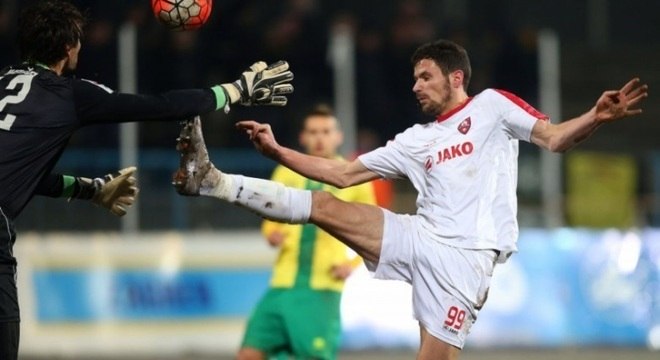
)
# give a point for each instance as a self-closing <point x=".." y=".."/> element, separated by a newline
<point x="268" y="199"/>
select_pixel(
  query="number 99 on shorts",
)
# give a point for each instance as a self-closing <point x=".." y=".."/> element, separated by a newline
<point x="455" y="319"/>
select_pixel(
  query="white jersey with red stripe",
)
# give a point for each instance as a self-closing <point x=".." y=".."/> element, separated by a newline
<point x="464" y="166"/>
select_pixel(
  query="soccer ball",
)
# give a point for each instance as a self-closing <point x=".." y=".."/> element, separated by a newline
<point x="182" y="14"/>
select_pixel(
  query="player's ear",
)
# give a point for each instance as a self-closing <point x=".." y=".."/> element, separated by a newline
<point x="456" y="78"/>
<point x="70" y="49"/>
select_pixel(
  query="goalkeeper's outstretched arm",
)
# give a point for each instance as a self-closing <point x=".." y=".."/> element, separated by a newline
<point x="115" y="192"/>
<point x="261" y="84"/>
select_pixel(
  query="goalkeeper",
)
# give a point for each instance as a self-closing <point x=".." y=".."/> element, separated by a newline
<point x="40" y="109"/>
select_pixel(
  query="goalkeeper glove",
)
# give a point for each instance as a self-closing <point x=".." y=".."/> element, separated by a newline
<point x="261" y="84"/>
<point x="115" y="192"/>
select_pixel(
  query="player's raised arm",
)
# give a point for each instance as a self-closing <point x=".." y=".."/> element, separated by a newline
<point x="611" y="106"/>
<point x="330" y="171"/>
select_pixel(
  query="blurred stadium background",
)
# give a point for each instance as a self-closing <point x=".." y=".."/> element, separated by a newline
<point x="179" y="276"/>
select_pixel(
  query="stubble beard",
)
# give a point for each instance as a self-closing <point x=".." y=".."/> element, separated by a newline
<point x="436" y="108"/>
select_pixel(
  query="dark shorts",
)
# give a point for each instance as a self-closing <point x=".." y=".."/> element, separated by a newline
<point x="9" y="315"/>
<point x="9" y="334"/>
<point x="8" y="293"/>
<point x="8" y="299"/>
<point x="7" y="239"/>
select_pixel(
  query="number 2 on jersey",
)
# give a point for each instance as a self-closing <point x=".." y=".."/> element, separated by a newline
<point x="25" y="80"/>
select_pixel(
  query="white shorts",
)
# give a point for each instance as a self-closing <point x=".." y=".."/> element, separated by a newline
<point x="449" y="284"/>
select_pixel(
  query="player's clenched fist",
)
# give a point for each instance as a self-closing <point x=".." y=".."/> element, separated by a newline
<point x="261" y="84"/>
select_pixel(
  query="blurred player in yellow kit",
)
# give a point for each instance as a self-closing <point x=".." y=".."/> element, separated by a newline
<point x="299" y="314"/>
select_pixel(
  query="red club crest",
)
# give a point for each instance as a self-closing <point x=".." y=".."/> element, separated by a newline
<point x="464" y="126"/>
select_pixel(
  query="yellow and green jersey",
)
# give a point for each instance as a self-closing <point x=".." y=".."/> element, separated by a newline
<point x="308" y="253"/>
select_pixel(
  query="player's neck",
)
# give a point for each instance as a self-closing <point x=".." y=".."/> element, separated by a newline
<point x="458" y="101"/>
<point x="54" y="68"/>
<point x="58" y="67"/>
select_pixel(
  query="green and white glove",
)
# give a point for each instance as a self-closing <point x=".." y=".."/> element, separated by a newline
<point x="115" y="192"/>
<point x="261" y="84"/>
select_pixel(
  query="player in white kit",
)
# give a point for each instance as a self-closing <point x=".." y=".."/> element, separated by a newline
<point x="464" y="166"/>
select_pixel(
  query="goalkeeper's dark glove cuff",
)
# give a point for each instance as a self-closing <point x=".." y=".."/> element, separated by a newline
<point x="85" y="188"/>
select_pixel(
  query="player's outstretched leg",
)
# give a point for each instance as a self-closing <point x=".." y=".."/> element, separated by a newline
<point x="197" y="176"/>
<point x="194" y="164"/>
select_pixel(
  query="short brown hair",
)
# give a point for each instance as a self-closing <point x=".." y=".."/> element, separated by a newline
<point x="320" y="109"/>
<point x="449" y="57"/>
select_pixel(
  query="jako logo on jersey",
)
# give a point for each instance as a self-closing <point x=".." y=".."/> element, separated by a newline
<point x="464" y="126"/>
<point x="449" y="153"/>
<point x="454" y="151"/>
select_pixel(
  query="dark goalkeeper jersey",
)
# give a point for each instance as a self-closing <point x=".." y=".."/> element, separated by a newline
<point x="39" y="111"/>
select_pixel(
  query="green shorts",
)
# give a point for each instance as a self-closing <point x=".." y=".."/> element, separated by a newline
<point x="302" y="322"/>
